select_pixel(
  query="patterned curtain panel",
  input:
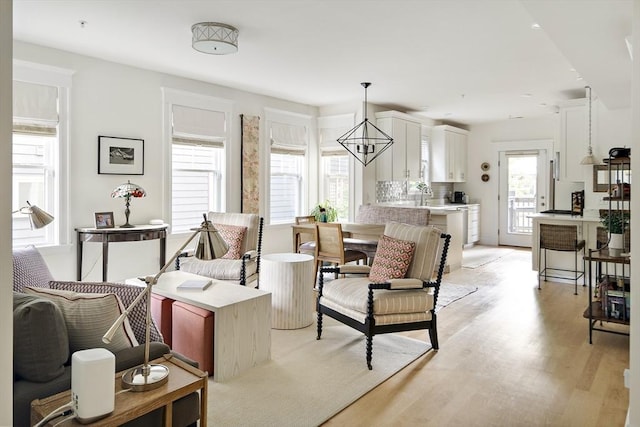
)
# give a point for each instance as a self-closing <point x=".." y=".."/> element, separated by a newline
<point x="250" y="164"/>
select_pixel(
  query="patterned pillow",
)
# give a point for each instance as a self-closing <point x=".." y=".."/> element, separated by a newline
<point x="127" y="294"/>
<point x="88" y="317"/>
<point x="392" y="259"/>
<point x="234" y="236"/>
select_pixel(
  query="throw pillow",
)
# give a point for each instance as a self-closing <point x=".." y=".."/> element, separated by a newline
<point x="392" y="259"/>
<point x="40" y="342"/>
<point x="29" y="269"/>
<point x="88" y="317"/>
<point x="234" y="236"/>
<point x="127" y="294"/>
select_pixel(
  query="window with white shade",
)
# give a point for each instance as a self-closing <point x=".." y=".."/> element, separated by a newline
<point x="287" y="168"/>
<point x="40" y="107"/>
<point x="198" y="139"/>
<point x="335" y="163"/>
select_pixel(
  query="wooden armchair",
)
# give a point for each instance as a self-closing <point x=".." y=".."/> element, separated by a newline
<point x="241" y="264"/>
<point x="383" y="298"/>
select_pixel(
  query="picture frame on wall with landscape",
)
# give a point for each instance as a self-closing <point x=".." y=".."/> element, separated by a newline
<point x="120" y="156"/>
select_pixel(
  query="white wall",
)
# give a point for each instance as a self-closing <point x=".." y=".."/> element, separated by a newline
<point x="6" y="266"/>
<point x="610" y="128"/>
<point x="634" y="363"/>
<point x="118" y="100"/>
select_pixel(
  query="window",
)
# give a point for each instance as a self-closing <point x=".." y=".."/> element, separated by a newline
<point x="40" y="106"/>
<point x="287" y="166"/>
<point x="335" y="175"/>
<point x="197" y="165"/>
<point x="335" y="163"/>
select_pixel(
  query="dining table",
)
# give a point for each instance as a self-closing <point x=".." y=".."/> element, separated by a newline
<point x="356" y="236"/>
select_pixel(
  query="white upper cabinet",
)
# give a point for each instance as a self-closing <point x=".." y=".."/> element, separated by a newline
<point x="402" y="160"/>
<point x="448" y="154"/>
<point x="574" y="139"/>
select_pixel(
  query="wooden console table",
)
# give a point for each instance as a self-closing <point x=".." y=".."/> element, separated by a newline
<point x="183" y="380"/>
<point x="108" y="235"/>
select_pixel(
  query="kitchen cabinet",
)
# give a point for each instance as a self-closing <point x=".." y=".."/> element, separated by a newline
<point x="574" y="139"/>
<point x="473" y="224"/>
<point x="401" y="161"/>
<point x="448" y="154"/>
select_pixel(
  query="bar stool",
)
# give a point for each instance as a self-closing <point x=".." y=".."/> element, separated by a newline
<point x="562" y="238"/>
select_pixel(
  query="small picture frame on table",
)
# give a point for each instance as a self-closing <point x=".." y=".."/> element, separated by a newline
<point x="104" y="219"/>
<point x="120" y="156"/>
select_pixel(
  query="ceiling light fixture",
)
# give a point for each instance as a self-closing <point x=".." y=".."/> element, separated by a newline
<point x="589" y="159"/>
<point x="214" y="38"/>
<point x="365" y="141"/>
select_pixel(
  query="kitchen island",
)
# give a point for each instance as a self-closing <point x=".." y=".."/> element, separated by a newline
<point x="587" y="230"/>
<point x="450" y="219"/>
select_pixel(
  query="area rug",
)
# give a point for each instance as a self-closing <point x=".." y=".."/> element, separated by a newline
<point x="450" y="292"/>
<point x="478" y="256"/>
<point x="308" y="381"/>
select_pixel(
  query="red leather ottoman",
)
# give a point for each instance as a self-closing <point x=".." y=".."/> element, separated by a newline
<point x="161" y="313"/>
<point x="192" y="334"/>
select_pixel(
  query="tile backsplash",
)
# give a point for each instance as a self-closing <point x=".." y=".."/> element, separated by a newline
<point x="399" y="191"/>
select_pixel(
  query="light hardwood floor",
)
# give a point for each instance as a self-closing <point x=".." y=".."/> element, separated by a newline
<point x="510" y="355"/>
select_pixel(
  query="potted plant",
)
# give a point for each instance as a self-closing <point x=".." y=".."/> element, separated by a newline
<point x="616" y="222"/>
<point x="324" y="212"/>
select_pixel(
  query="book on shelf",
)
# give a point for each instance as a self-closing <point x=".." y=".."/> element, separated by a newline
<point x="195" y="284"/>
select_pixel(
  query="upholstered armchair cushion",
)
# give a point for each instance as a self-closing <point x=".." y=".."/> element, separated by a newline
<point x="349" y="296"/>
<point x="251" y="221"/>
<point x="221" y="269"/>
<point x="127" y="294"/>
<point x="243" y="270"/>
<point x="29" y="269"/>
<point x="427" y="240"/>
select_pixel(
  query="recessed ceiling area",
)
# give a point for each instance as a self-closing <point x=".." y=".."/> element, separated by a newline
<point x="463" y="61"/>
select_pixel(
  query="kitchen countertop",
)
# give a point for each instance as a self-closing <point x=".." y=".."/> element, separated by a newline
<point x="568" y="218"/>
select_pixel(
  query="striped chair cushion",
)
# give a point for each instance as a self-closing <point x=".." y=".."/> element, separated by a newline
<point x="221" y="269"/>
<point x="88" y="317"/>
<point x="427" y="240"/>
<point x="127" y="294"/>
<point x="350" y="294"/>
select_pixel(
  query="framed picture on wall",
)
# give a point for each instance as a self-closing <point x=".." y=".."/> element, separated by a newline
<point x="104" y="219"/>
<point x="120" y="156"/>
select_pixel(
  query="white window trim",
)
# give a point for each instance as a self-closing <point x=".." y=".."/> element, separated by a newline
<point x="285" y="117"/>
<point x="31" y="72"/>
<point x="189" y="99"/>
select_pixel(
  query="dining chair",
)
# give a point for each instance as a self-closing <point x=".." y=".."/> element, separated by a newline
<point x="330" y="246"/>
<point x="306" y="241"/>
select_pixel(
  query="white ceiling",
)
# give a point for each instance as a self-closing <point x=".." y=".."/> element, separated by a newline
<point x="461" y="61"/>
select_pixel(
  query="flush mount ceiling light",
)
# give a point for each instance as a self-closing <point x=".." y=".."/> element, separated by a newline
<point x="214" y="38"/>
<point x="365" y="141"/>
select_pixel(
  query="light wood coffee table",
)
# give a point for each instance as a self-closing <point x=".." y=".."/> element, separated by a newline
<point x="242" y="320"/>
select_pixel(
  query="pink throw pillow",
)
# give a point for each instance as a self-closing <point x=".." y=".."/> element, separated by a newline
<point x="234" y="236"/>
<point x="392" y="259"/>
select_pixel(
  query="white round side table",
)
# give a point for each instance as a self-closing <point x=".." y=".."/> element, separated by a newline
<point x="289" y="278"/>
